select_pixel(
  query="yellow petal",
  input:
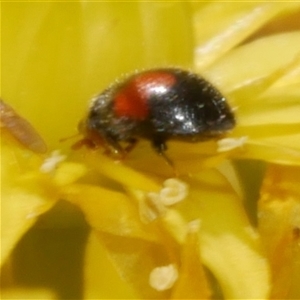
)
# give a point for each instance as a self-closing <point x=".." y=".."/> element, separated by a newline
<point x="253" y="61"/>
<point x="233" y="22"/>
<point x="108" y="211"/>
<point x="269" y="152"/>
<point x="229" y="245"/>
<point x="119" y="172"/>
<point x="19" y="293"/>
<point x="279" y="226"/>
<point x="192" y="282"/>
<point x="101" y="278"/>
<point x="135" y="259"/>
<point x="25" y="192"/>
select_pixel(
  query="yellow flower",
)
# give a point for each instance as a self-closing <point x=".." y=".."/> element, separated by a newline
<point x="154" y="236"/>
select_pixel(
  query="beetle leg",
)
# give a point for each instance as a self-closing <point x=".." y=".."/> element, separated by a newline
<point x="131" y="144"/>
<point x="160" y="146"/>
<point x="113" y="147"/>
<point x="83" y="142"/>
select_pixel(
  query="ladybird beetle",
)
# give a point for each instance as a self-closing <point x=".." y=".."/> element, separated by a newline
<point x="157" y="105"/>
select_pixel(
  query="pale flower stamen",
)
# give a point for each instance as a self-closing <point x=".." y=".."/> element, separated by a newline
<point x="163" y="278"/>
<point x="228" y="144"/>
<point x="173" y="191"/>
<point x="51" y="162"/>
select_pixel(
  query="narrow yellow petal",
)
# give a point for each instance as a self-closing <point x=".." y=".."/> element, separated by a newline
<point x="229" y="245"/>
<point x="108" y="211"/>
<point x="101" y="278"/>
<point x="25" y="192"/>
<point x="279" y="226"/>
<point x="192" y="282"/>
<point x="267" y="151"/>
<point x="233" y="23"/>
<point x="254" y="60"/>
<point x="119" y="172"/>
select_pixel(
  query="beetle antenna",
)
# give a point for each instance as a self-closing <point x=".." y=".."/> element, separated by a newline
<point x="62" y="140"/>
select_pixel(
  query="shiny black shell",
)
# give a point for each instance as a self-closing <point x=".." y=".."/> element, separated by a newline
<point x="158" y="105"/>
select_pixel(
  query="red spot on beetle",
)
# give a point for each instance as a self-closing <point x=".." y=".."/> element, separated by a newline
<point x="133" y="98"/>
